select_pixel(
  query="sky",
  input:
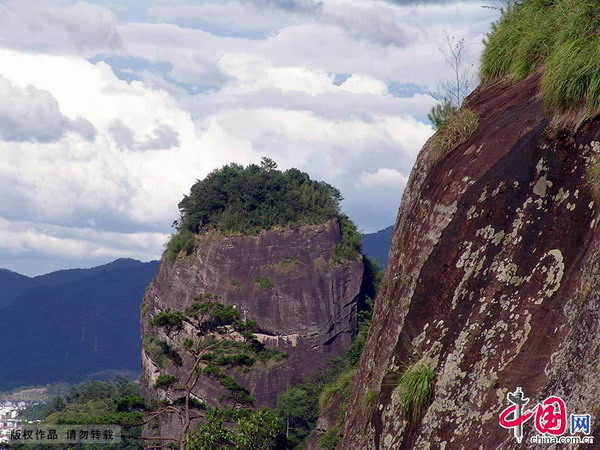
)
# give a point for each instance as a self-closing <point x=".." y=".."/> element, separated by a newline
<point x="111" y="109"/>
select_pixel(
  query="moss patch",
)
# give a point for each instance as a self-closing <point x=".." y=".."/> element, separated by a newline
<point x="263" y="283"/>
<point x="288" y="265"/>
<point x="235" y="284"/>
<point x="320" y="264"/>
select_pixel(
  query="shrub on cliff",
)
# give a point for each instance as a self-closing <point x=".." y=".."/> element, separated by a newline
<point x="184" y="240"/>
<point x="455" y="129"/>
<point x="237" y="199"/>
<point x="560" y="38"/>
<point x="440" y="114"/>
<point x="415" y="389"/>
<point x="349" y="249"/>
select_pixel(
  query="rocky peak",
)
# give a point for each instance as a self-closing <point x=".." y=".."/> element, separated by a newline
<point x="287" y="280"/>
<point x="492" y="281"/>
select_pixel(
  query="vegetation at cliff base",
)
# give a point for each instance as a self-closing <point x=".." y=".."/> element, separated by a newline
<point x="221" y="342"/>
<point x="90" y="403"/>
<point x="299" y="406"/>
<point x="560" y="38"/>
<point x="236" y="429"/>
<point x="415" y="389"/>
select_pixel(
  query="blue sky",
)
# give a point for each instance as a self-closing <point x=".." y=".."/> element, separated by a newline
<point x="110" y="110"/>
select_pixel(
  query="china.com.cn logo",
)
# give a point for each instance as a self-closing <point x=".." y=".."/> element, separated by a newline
<point x="550" y="419"/>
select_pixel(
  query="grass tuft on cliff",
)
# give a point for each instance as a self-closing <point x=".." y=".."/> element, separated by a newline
<point x="593" y="179"/>
<point x="415" y="389"/>
<point x="455" y="129"/>
<point x="182" y="241"/>
<point x="560" y="38"/>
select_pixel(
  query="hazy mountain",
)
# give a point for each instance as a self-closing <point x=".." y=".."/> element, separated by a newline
<point x="71" y="324"/>
<point x="377" y="245"/>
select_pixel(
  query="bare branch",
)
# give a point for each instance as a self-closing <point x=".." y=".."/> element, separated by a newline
<point x="455" y="88"/>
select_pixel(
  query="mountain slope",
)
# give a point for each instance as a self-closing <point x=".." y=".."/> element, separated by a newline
<point x="71" y="324"/>
<point x="377" y="245"/>
<point x="12" y="285"/>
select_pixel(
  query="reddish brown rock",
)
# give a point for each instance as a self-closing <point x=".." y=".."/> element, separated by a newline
<point x="308" y="312"/>
<point x="493" y="278"/>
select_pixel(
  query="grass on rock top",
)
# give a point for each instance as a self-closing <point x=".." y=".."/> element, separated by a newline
<point x="560" y="38"/>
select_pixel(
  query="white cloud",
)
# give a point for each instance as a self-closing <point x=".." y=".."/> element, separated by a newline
<point x="337" y="39"/>
<point x="225" y="17"/>
<point x="250" y="74"/>
<point x="384" y="177"/>
<point x="163" y="137"/>
<point x="254" y="78"/>
<point x="41" y="25"/>
<point x="72" y="182"/>
<point x="29" y="238"/>
<point x="362" y="84"/>
<point x="31" y="114"/>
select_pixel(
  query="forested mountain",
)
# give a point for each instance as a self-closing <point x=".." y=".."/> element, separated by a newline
<point x="377" y="245"/>
<point x="71" y="324"/>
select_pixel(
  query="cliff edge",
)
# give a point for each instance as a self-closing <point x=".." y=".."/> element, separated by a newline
<point x="297" y="282"/>
<point x="492" y="283"/>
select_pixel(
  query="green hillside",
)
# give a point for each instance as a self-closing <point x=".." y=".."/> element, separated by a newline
<point x="559" y="38"/>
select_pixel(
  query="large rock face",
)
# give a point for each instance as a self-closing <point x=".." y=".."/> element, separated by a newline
<point x="304" y="307"/>
<point x="493" y="278"/>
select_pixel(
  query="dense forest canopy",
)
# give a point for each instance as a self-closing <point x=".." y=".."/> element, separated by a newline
<point x="560" y="39"/>
<point x="248" y="199"/>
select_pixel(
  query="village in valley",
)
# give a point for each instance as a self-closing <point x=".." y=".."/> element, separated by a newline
<point x="9" y="417"/>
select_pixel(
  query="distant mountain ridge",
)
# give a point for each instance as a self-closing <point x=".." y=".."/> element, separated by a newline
<point x="71" y="324"/>
<point x="377" y="245"/>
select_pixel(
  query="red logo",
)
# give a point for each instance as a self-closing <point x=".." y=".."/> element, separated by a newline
<point x="550" y="415"/>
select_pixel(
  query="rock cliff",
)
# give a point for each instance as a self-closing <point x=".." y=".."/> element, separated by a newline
<point x="493" y="279"/>
<point x="304" y="303"/>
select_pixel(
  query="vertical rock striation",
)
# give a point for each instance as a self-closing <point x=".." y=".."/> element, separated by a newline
<point x="304" y="303"/>
<point x="493" y="278"/>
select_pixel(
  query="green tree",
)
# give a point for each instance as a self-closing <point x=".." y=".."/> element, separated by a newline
<point x="440" y="113"/>
<point x="248" y="199"/>
<point x="221" y="340"/>
<point x="96" y="402"/>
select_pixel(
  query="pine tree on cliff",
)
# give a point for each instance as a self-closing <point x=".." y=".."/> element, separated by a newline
<point x="222" y="341"/>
